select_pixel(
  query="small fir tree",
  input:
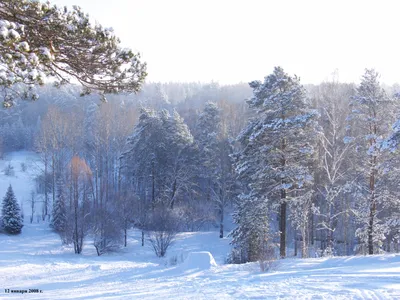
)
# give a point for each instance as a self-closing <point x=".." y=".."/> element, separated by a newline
<point x="11" y="213"/>
<point x="59" y="220"/>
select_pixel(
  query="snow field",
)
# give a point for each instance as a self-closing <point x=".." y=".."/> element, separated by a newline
<point x="35" y="259"/>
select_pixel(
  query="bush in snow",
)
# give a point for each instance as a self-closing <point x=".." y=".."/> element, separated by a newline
<point x="107" y="231"/>
<point x="23" y="167"/>
<point x="161" y="230"/>
<point x="9" y="170"/>
<point x="11" y="213"/>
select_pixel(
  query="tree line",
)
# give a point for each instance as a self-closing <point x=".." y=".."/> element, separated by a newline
<point x="310" y="169"/>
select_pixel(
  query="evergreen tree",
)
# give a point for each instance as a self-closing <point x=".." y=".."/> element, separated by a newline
<point x="252" y="238"/>
<point x="59" y="221"/>
<point x="40" y="40"/>
<point x="216" y="169"/>
<point x="372" y="113"/>
<point x="11" y="213"/>
<point x="278" y="144"/>
<point x="157" y="157"/>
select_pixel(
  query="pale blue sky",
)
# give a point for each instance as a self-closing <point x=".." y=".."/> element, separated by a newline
<point x="233" y="41"/>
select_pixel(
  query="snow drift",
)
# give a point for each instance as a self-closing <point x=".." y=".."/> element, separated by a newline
<point x="202" y="260"/>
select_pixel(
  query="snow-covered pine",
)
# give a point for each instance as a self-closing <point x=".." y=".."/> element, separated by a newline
<point x="278" y="144"/>
<point x="11" y="213"/>
<point x="252" y="237"/>
<point x="39" y="40"/>
<point x="157" y="158"/>
<point x="373" y="111"/>
<point x="216" y="169"/>
<point x="59" y="219"/>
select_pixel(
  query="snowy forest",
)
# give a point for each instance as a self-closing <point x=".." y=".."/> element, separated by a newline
<point x="300" y="170"/>
<point x="282" y="168"/>
<point x="199" y="149"/>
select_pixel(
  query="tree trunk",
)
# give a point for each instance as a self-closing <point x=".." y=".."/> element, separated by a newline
<point x="173" y="195"/>
<point x="304" y="243"/>
<point x="372" y="207"/>
<point x="282" y="220"/>
<point x="153" y="189"/>
<point x="221" y="223"/>
<point x="53" y="177"/>
<point x="282" y="226"/>
<point x="370" y="228"/>
<point x="46" y="196"/>
<point x="329" y="230"/>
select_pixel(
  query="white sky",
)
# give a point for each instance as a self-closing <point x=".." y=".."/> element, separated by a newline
<point x="233" y="41"/>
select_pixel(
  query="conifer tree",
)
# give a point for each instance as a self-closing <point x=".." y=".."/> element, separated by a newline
<point x="216" y="169"/>
<point x="252" y="236"/>
<point x="278" y="144"/>
<point x="372" y="113"/>
<point x="11" y="213"/>
<point x="39" y="40"/>
<point x="59" y="221"/>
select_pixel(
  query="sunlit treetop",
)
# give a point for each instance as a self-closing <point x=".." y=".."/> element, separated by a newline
<point x="39" y="40"/>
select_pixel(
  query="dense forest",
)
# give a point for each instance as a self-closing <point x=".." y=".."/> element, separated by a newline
<point x="309" y="170"/>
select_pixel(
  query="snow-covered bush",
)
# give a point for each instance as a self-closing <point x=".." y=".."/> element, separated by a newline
<point x="9" y="170"/>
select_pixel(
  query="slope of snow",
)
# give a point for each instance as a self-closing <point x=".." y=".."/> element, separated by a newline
<point x="22" y="182"/>
<point x="35" y="259"/>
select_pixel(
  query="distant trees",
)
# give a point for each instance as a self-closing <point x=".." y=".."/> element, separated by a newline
<point x="11" y="213"/>
<point x="289" y="176"/>
<point x="40" y="40"/>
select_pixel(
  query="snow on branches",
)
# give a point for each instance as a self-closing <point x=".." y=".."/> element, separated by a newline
<point x="39" y="40"/>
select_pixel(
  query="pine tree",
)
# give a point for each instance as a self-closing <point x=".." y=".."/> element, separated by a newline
<point x="157" y="156"/>
<point x="372" y="113"/>
<point x="59" y="221"/>
<point x="215" y="148"/>
<point x="278" y="144"/>
<point x="11" y="213"/>
<point x="40" y="40"/>
<point x="252" y="236"/>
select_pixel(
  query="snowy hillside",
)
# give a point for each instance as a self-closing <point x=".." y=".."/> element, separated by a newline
<point x="22" y="181"/>
<point x="35" y="259"/>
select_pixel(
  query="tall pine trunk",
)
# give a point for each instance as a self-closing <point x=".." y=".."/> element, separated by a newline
<point x="282" y="225"/>
<point x="283" y="205"/>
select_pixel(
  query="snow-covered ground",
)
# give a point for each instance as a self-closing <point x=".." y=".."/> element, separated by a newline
<point x="22" y="182"/>
<point x="35" y="259"/>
